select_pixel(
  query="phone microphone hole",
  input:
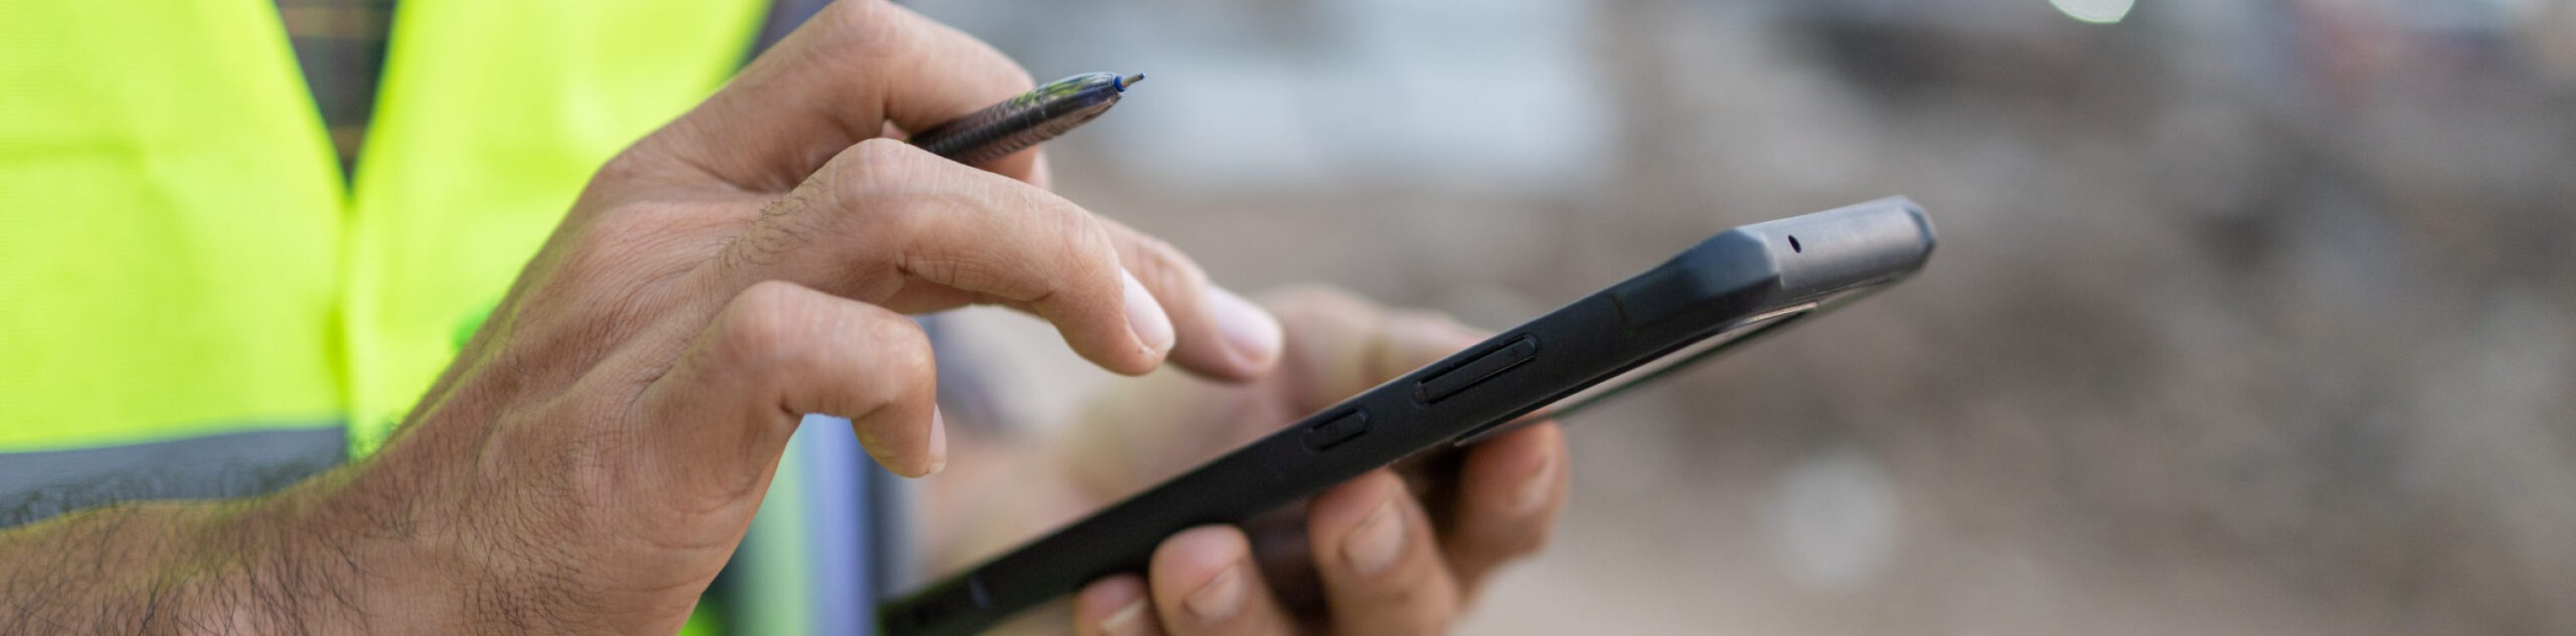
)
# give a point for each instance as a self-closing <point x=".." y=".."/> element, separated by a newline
<point x="1794" y="246"/>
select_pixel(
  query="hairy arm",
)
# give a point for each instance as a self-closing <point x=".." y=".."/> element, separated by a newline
<point x="593" y="457"/>
<point x="196" y="567"/>
<point x="272" y="565"/>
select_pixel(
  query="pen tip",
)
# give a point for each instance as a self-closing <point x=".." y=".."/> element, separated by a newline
<point x="1130" y="80"/>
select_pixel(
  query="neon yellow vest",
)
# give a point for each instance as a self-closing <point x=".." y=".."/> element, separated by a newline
<point x="182" y="258"/>
<point x="179" y="258"/>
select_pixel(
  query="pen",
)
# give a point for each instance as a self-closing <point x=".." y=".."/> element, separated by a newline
<point x="1020" y="122"/>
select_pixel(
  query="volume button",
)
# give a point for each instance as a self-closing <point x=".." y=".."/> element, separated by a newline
<point x="1476" y="370"/>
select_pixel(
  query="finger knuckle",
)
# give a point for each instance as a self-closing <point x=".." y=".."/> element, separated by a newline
<point x="903" y="350"/>
<point x="874" y="164"/>
<point x="865" y="19"/>
<point x="1083" y="238"/>
<point x="875" y="181"/>
<point x="883" y="150"/>
<point x="756" y="332"/>
<point x="784" y="227"/>
<point x="1164" y="266"/>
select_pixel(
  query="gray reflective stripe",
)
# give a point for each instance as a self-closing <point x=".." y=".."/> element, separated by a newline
<point x="35" y="486"/>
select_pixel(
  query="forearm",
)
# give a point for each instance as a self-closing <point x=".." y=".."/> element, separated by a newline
<point x="146" y="568"/>
<point x="263" y="565"/>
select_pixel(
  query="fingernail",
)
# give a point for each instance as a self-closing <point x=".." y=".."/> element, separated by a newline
<point x="1127" y="621"/>
<point x="1373" y="546"/>
<point x="1145" y="316"/>
<point x="938" y="443"/>
<point x="1533" y="492"/>
<point x="1219" y="598"/>
<point x="1250" y="331"/>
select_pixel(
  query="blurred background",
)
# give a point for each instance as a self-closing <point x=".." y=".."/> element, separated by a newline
<point x="2250" y="316"/>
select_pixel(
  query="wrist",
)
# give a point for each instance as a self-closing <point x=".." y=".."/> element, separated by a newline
<point x="253" y="566"/>
<point x="333" y="555"/>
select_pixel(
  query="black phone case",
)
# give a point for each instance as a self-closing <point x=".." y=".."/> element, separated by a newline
<point x="1729" y="279"/>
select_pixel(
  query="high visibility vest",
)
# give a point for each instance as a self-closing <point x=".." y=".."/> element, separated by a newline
<point x="183" y="257"/>
<point x="193" y="304"/>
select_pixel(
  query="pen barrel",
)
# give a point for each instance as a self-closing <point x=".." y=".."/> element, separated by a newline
<point x="1024" y="121"/>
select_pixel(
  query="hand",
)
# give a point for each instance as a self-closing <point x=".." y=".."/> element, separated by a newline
<point x="1371" y="556"/>
<point x="592" y="458"/>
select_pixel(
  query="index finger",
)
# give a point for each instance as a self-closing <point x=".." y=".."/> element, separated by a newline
<point x="848" y="73"/>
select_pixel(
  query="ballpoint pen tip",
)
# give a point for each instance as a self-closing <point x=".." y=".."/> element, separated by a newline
<point x="1130" y="80"/>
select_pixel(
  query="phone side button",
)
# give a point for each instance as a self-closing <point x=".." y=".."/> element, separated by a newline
<point x="1490" y="364"/>
<point x="1337" y="430"/>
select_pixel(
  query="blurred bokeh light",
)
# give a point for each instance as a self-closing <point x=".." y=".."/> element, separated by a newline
<point x="2251" y="316"/>
<point x="2095" y="11"/>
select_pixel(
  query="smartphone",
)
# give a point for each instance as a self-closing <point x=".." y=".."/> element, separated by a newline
<point x="1732" y="287"/>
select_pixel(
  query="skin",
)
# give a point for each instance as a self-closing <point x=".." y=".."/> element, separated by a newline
<point x="1506" y="493"/>
<point x="594" y="455"/>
